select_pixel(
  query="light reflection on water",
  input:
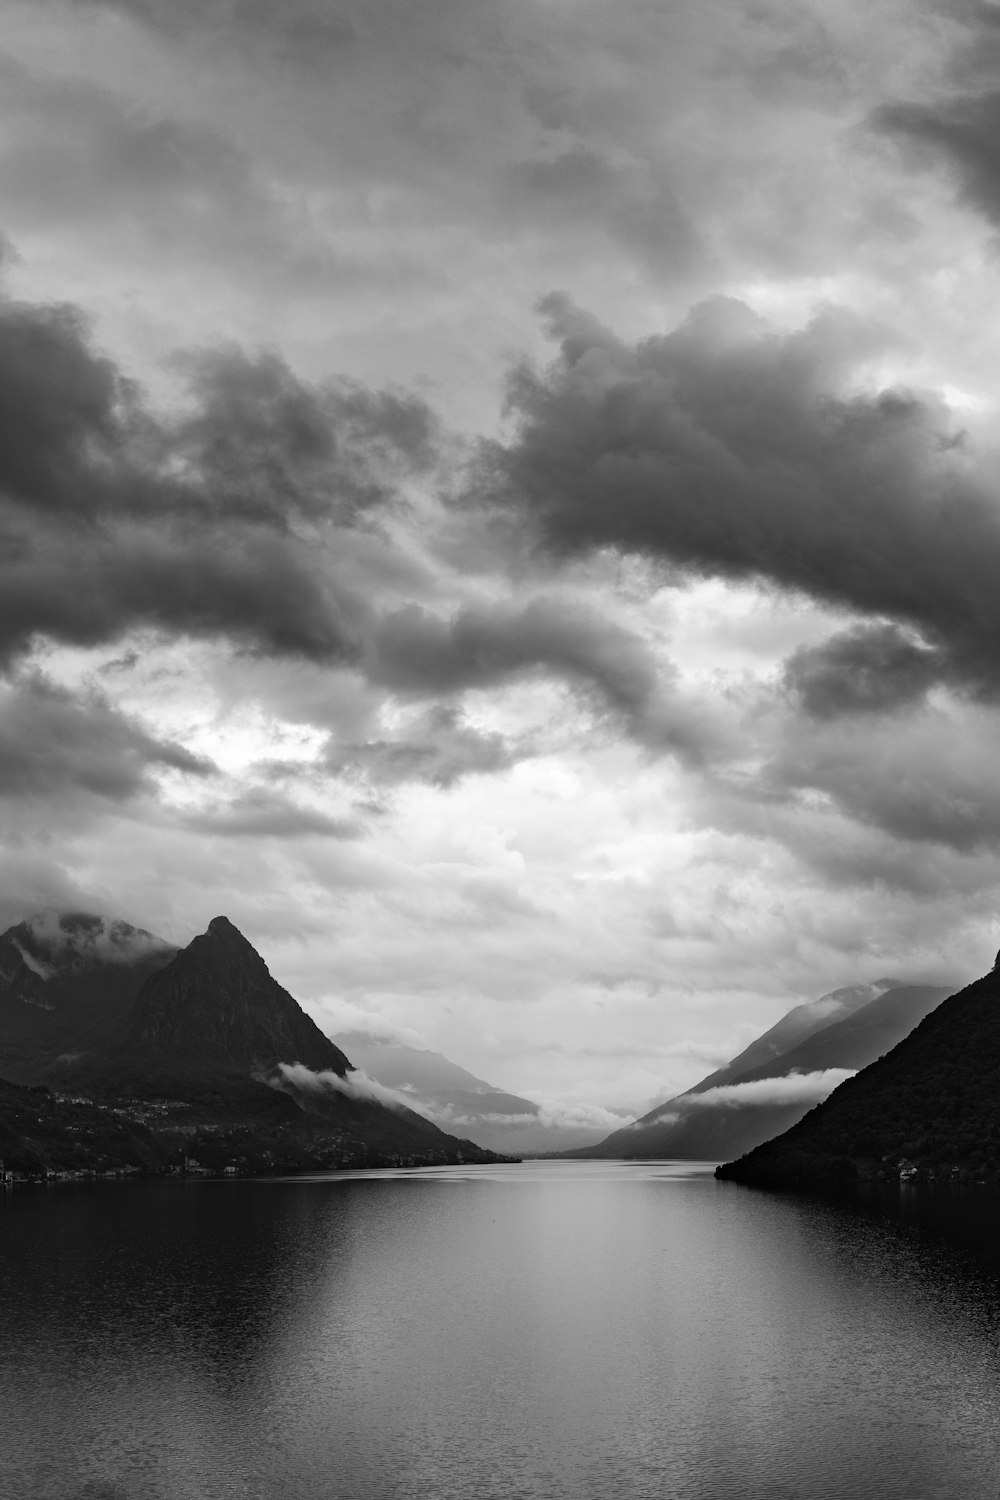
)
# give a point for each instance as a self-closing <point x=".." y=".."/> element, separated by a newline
<point x="552" y="1331"/>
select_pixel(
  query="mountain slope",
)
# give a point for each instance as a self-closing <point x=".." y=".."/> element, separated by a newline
<point x="858" y="1039"/>
<point x="794" y="1027"/>
<point x="934" y="1099"/>
<point x="66" y="980"/>
<point x="723" y="1117"/>
<point x="457" y="1100"/>
<point x="216" y="1004"/>
<point x="212" y="1045"/>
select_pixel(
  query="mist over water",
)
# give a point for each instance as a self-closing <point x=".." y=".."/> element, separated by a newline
<point x="558" y="1330"/>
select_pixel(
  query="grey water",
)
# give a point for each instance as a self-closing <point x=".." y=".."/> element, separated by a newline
<point x="545" y="1331"/>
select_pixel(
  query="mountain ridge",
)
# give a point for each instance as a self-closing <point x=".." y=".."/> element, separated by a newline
<point x="211" y="1047"/>
<point x="67" y="980"/>
<point x="728" y="1124"/>
<point x="932" y="1103"/>
<point x="217" y="1000"/>
<point x="457" y="1099"/>
<point x="795" y="1026"/>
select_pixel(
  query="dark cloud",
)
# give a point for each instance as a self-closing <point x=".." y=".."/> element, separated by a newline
<point x="53" y="744"/>
<point x="955" y="129"/>
<point x="254" y="589"/>
<point x="439" y="748"/>
<point x="227" y="519"/>
<point x="960" y="133"/>
<point x="261" y="813"/>
<point x="264" y="443"/>
<point x="65" y="415"/>
<point x="934" y="788"/>
<point x="416" y="653"/>
<point x="254" y="441"/>
<point x="255" y="513"/>
<point x="726" y="449"/>
<point x="867" y="669"/>
<point x="852" y="845"/>
<point x="484" y="644"/>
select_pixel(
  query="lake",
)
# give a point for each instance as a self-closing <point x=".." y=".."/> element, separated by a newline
<point x="613" y="1330"/>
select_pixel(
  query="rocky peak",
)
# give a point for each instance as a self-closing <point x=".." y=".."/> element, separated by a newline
<point x="217" y="1003"/>
<point x="224" y="930"/>
<point x="223" y="943"/>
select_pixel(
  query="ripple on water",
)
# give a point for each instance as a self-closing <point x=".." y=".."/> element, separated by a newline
<point x="552" y="1331"/>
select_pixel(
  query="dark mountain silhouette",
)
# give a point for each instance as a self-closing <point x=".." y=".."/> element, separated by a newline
<point x="731" y="1119"/>
<point x="66" y="981"/>
<point x="216" y="1004"/>
<point x="932" y="1101"/>
<point x="211" y="1050"/>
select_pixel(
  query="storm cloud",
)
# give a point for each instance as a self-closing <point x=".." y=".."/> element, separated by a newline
<point x="729" y="449"/>
<point x="54" y="743"/>
<point x="256" y="514"/>
<point x="958" y="134"/>
<point x="480" y="646"/>
<point x="112" y="519"/>
<point x="867" y="669"/>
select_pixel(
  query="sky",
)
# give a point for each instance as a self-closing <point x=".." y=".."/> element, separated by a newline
<point x="500" y="499"/>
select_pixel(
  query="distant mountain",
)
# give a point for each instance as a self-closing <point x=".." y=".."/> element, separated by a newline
<point x="858" y="1039"/>
<point x="763" y="1090"/>
<point x="66" y="980"/>
<point x="209" y="1048"/>
<point x="933" y="1102"/>
<point x="795" y="1025"/>
<point x="457" y="1100"/>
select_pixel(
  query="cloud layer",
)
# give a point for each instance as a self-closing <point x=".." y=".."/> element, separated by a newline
<point x="793" y="1088"/>
<point x="502" y="499"/>
<point x="353" y="1085"/>
<point x="729" y="449"/>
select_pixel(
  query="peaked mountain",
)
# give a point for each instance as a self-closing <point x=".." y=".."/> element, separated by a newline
<point x="66" y="980"/>
<point x="215" y="1004"/>
<point x="211" y="1019"/>
<point x="739" y="1106"/>
<point x="932" y="1102"/>
<point x="209" y="1052"/>
<point x="457" y="1100"/>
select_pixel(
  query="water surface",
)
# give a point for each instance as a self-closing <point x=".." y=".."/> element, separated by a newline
<point x="551" y="1331"/>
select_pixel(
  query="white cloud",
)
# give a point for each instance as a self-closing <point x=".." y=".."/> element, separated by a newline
<point x="90" y="941"/>
<point x="791" y="1088"/>
<point x="552" y="1114"/>
<point x="355" y="1085"/>
<point x="560" y="1114"/>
